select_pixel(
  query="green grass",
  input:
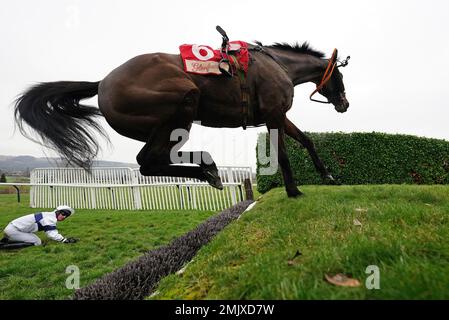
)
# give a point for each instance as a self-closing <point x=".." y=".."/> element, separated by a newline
<point x="21" y="179"/>
<point x="405" y="232"/>
<point x="109" y="239"/>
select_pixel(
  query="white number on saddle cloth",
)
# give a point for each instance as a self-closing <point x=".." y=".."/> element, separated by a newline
<point x="199" y="50"/>
<point x="200" y="59"/>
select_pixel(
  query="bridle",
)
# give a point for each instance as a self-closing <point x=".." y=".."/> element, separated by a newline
<point x="328" y="74"/>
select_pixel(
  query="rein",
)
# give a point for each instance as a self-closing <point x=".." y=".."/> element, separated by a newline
<point x="326" y="77"/>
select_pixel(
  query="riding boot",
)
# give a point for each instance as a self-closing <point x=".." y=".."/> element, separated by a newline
<point x="15" y="245"/>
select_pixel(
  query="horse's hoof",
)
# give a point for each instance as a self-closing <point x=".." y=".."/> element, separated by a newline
<point x="212" y="177"/>
<point x="214" y="180"/>
<point x="330" y="180"/>
<point x="294" y="193"/>
<point x="218" y="185"/>
<point x="144" y="171"/>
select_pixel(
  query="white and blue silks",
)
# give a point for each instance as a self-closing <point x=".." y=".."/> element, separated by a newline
<point x="23" y="229"/>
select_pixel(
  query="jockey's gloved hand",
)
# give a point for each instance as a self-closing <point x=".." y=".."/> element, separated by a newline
<point x="70" y="240"/>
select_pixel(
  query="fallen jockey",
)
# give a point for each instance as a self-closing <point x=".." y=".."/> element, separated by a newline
<point x="20" y="233"/>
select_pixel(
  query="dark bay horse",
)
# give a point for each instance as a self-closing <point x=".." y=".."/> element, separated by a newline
<point x="150" y="95"/>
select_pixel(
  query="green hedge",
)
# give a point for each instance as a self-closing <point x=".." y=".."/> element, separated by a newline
<point x="366" y="158"/>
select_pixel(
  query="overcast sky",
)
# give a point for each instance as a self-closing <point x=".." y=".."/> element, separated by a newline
<point x="397" y="80"/>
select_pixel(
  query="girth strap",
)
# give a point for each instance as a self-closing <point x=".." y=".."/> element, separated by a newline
<point x="246" y="106"/>
<point x="247" y="112"/>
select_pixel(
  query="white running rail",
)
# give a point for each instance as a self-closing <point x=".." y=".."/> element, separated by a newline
<point x="127" y="189"/>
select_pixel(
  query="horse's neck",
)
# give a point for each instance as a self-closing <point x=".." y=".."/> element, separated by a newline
<point x="301" y="67"/>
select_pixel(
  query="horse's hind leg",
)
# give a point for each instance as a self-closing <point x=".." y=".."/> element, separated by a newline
<point x="161" y="156"/>
<point x="293" y="131"/>
<point x="160" y="135"/>
<point x="206" y="163"/>
<point x="162" y="165"/>
<point x="172" y="171"/>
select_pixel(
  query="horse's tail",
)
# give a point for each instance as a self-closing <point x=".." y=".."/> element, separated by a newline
<point x="54" y="112"/>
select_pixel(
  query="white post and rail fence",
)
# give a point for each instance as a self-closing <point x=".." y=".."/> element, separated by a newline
<point x="127" y="189"/>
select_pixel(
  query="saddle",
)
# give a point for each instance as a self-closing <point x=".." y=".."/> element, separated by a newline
<point x="232" y="57"/>
<point x="230" y="60"/>
<point x="229" y="51"/>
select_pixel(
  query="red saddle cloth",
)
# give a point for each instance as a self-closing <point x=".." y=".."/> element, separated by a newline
<point x="200" y="59"/>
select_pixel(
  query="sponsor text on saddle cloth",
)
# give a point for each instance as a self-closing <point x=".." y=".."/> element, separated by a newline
<point x="200" y="59"/>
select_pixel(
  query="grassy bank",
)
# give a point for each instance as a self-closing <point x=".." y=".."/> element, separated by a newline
<point x="402" y="229"/>
<point x="108" y="240"/>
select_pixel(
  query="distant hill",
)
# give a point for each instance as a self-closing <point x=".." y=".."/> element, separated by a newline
<point x="16" y="164"/>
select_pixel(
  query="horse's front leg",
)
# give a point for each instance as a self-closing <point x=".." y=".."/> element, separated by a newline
<point x="292" y="131"/>
<point x="290" y="186"/>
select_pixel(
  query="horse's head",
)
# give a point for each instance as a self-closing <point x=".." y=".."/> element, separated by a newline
<point x="332" y="86"/>
<point x="334" y="91"/>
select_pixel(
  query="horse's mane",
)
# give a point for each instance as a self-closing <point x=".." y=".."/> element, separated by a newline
<point x="296" y="47"/>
